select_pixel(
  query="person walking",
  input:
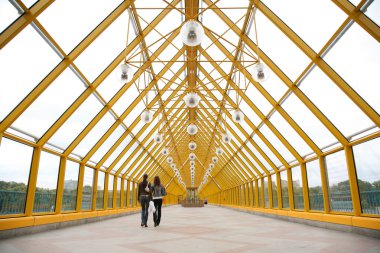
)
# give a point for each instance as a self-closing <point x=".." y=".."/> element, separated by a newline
<point x="144" y="196"/>
<point x="158" y="192"/>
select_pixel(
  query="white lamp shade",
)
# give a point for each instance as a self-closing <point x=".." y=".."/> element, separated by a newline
<point x="125" y="73"/>
<point x="176" y="170"/>
<point x="192" y="129"/>
<point x="172" y="165"/>
<point x="214" y="159"/>
<point x="219" y="151"/>
<point x="192" y="145"/>
<point x="146" y="116"/>
<point x="158" y="138"/>
<point x="226" y="138"/>
<point x="211" y="165"/>
<point x="192" y="163"/>
<point x="237" y="116"/>
<point x="165" y="151"/>
<point x="192" y="33"/>
<point x="191" y="99"/>
<point x="170" y="159"/>
<point x="192" y="156"/>
<point x="260" y="72"/>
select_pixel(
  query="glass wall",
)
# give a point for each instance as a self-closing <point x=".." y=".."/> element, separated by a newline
<point x="118" y="192"/>
<point x="274" y="191"/>
<point x="339" y="186"/>
<point x="125" y="192"/>
<point x="284" y="189"/>
<point x="367" y="163"/>
<point x="110" y="191"/>
<point x="47" y="178"/>
<point x="131" y="194"/>
<point x="14" y="175"/>
<point x="254" y="193"/>
<point x="88" y="183"/>
<point x="100" y="191"/>
<point x="266" y="195"/>
<point x="260" y="199"/>
<point x="314" y="181"/>
<point x="297" y="188"/>
<point x="70" y="186"/>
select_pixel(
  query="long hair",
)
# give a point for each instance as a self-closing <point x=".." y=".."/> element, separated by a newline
<point x="157" y="181"/>
<point x="145" y="180"/>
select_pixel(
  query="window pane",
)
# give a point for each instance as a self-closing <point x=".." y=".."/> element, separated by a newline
<point x="14" y="175"/>
<point x="339" y="186"/>
<point x="125" y="193"/>
<point x="373" y="12"/>
<point x="70" y="187"/>
<point x="266" y="195"/>
<point x="314" y="181"/>
<point x="118" y="192"/>
<point x="8" y="14"/>
<point x="274" y="191"/>
<point x="47" y="178"/>
<point x="260" y="200"/>
<point x="367" y="162"/>
<point x="88" y="183"/>
<point x="284" y="189"/>
<point x="110" y="191"/>
<point x="297" y="188"/>
<point x="100" y="192"/>
<point x="16" y="58"/>
<point x="254" y="192"/>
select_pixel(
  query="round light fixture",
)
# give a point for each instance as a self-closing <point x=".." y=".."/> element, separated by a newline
<point x="192" y="33"/>
<point x="146" y="116"/>
<point x="237" y="116"/>
<point x="192" y="163"/>
<point x="226" y="138"/>
<point x="219" y="151"/>
<point x="192" y="129"/>
<point x="158" y="138"/>
<point x="165" y="151"/>
<point x="170" y="159"/>
<point x="125" y="73"/>
<point x="172" y="165"/>
<point x="260" y="72"/>
<point x="192" y="156"/>
<point x="192" y="145"/>
<point x="214" y="159"/>
<point x="191" y="99"/>
<point x="211" y="165"/>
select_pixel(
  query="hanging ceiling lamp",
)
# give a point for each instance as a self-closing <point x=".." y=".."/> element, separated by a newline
<point x="172" y="166"/>
<point x="260" y="72"/>
<point x="192" y="156"/>
<point x="165" y="151"/>
<point x="125" y="73"/>
<point x="219" y="151"/>
<point x="158" y="138"/>
<point x="192" y="99"/>
<point x="192" y="33"/>
<point x="192" y="163"/>
<point x="170" y="159"/>
<point x="192" y="145"/>
<point x="146" y="116"/>
<point x="237" y="116"/>
<point x="192" y="129"/>
<point x="211" y="165"/>
<point x="214" y="159"/>
<point x="226" y="138"/>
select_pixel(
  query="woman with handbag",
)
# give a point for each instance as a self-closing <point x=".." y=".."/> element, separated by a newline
<point x="158" y="191"/>
<point x="144" y="196"/>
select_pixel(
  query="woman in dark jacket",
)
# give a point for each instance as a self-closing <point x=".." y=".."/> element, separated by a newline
<point x="158" y="191"/>
<point x="144" y="196"/>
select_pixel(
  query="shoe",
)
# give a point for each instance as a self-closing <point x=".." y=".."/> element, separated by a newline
<point x="142" y="224"/>
<point x="146" y="225"/>
<point x="155" y="224"/>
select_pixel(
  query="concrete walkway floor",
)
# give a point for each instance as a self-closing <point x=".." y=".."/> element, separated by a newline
<point x="193" y="230"/>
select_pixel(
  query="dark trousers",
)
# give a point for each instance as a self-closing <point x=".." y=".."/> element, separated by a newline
<point x="144" y="201"/>
<point x="157" y="213"/>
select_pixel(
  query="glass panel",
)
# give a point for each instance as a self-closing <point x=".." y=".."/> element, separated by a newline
<point x="47" y="178"/>
<point x="339" y="185"/>
<point x="272" y="138"/>
<point x="110" y="191"/>
<point x="94" y="13"/>
<point x="323" y="28"/>
<point x="100" y="192"/>
<point x="297" y="188"/>
<point x="260" y="200"/>
<point x="266" y="193"/>
<point x="347" y="117"/>
<point x="307" y="121"/>
<point x="267" y="151"/>
<point x="8" y="13"/>
<point x="88" y="183"/>
<point x="367" y="162"/>
<point x="70" y="186"/>
<point x="314" y="181"/>
<point x="16" y="58"/>
<point x="14" y="175"/>
<point x="76" y="123"/>
<point x="292" y="61"/>
<point x="274" y="191"/>
<point x="254" y="192"/>
<point x="117" y="151"/>
<point x="125" y="193"/>
<point x="284" y="189"/>
<point x="373" y="12"/>
<point x="356" y="53"/>
<point x="42" y="114"/>
<point x="118" y="194"/>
